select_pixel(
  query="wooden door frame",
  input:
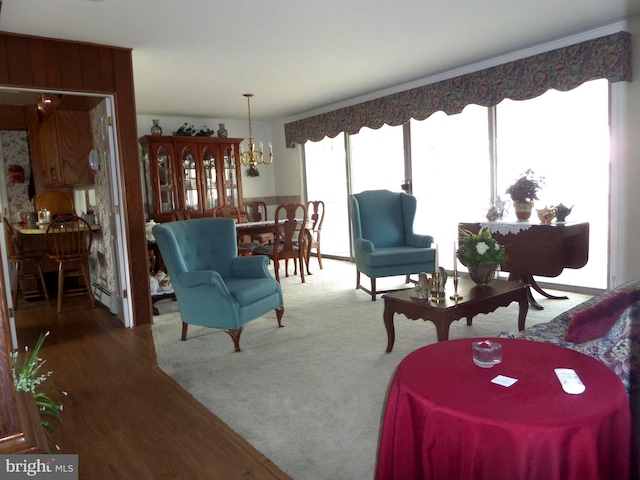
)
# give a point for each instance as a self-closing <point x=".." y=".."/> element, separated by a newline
<point x="49" y="64"/>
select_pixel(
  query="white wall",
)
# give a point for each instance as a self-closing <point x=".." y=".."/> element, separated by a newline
<point x="625" y="171"/>
<point x="289" y="179"/>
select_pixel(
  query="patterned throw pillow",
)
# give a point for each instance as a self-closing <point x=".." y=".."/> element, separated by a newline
<point x="594" y="322"/>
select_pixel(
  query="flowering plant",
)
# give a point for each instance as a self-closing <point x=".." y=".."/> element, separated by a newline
<point x="525" y="188"/>
<point x="27" y="377"/>
<point x="480" y="248"/>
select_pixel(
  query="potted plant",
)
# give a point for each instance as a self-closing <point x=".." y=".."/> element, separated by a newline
<point x="481" y="254"/>
<point x="185" y="130"/>
<point x="523" y="192"/>
<point x="28" y="377"/>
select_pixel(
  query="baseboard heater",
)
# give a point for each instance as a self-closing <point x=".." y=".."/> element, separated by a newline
<point x="104" y="296"/>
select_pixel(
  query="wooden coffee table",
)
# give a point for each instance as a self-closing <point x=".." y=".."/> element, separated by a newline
<point x="499" y="293"/>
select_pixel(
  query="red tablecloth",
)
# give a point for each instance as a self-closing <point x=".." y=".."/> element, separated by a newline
<point x="444" y="418"/>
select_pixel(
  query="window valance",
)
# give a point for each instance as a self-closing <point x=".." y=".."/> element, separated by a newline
<point x="562" y="69"/>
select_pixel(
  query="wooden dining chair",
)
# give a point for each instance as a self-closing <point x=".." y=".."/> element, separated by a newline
<point x="21" y="259"/>
<point x="180" y="215"/>
<point x="315" y="209"/>
<point x="57" y="202"/>
<point x="257" y="212"/>
<point x="245" y="247"/>
<point x="289" y="239"/>
<point x="68" y="239"/>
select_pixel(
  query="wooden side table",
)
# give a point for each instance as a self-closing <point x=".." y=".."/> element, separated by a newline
<point x="499" y="293"/>
<point x="541" y="250"/>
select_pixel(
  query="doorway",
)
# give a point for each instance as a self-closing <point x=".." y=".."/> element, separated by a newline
<point x="109" y="262"/>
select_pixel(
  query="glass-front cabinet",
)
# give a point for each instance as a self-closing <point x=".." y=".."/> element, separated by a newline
<point x="209" y="178"/>
<point x="190" y="177"/>
<point x="230" y="179"/>
<point x="190" y="174"/>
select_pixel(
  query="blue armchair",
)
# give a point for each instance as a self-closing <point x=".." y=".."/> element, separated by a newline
<point x="214" y="287"/>
<point x="383" y="240"/>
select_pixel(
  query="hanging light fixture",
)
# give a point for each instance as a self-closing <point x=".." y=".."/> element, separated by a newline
<point x="252" y="157"/>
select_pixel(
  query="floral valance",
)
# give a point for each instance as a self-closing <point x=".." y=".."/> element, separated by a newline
<point x="562" y="69"/>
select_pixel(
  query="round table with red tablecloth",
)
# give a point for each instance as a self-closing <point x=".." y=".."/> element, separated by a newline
<point x="445" y="419"/>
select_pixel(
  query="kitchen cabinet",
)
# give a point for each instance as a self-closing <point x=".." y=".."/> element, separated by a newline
<point x="190" y="174"/>
<point x="60" y="147"/>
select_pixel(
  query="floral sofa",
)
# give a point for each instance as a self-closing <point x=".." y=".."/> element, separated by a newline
<point x="618" y="343"/>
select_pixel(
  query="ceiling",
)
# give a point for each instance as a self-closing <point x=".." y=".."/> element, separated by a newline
<point x="196" y="58"/>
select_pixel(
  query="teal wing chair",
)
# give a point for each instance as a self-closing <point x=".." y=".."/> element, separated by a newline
<point x="214" y="287"/>
<point x="384" y="243"/>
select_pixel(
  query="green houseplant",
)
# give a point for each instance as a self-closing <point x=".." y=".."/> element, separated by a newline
<point x="481" y="254"/>
<point x="523" y="192"/>
<point x="28" y="377"/>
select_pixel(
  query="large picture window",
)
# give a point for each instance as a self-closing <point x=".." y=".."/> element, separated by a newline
<point x="457" y="159"/>
<point x="563" y="136"/>
<point x="450" y="173"/>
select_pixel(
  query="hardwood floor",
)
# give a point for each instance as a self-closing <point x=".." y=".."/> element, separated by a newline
<point x="123" y="416"/>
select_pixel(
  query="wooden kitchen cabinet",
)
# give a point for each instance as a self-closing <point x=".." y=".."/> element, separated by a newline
<point x="192" y="174"/>
<point x="60" y="147"/>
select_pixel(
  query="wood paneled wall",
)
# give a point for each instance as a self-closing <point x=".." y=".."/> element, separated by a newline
<point x="50" y="64"/>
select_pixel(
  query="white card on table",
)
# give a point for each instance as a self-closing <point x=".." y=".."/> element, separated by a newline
<point x="504" y="381"/>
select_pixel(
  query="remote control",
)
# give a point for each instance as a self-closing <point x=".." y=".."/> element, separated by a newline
<point x="570" y="380"/>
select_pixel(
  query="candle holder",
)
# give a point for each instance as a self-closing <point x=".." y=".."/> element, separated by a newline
<point x="437" y="294"/>
<point x="455" y="295"/>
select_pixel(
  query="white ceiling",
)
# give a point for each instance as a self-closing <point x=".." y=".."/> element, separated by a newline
<point x="196" y="58"/>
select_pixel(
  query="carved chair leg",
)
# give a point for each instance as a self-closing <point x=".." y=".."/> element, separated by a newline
<point x="279" y="313"/>
<point x="184" y="331"/>
<point x="276" y="268"/>
<point x="235" y="336"/>
<point x="60" y="285"/>
<point x="300" y="261"/>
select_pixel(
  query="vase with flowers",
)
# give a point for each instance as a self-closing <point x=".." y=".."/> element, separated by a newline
<point x="523" y="192"/>
<point x="481" y="254"/>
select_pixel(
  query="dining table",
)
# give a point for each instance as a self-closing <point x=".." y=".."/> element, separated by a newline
<point x="269" y="226"/>
<point x="447" y="418"/>
<point x="32" y="237"/>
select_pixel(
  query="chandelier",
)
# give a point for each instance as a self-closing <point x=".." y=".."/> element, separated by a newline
<point x="252" y="157"/>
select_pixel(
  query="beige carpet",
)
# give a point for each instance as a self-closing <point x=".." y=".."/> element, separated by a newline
<point x="310" y="396"/>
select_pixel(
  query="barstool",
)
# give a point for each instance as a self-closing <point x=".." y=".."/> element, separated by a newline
<point x="21" y="258"/>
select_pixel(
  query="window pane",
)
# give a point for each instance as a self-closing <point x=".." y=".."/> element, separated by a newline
<point x="451" y="174"/>
<point x="377" y="159"/>
<point x="325" y="164"/>
<point x="563" y="136"/>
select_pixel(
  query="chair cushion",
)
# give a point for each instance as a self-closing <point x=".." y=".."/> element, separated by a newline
<point x="384" y="257"/>
<point x="246" y="291"/>
<point x="269" y="249"/>
<point x="594" y="322"/>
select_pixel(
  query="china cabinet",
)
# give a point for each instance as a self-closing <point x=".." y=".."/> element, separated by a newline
<point x="191" y="174"/>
